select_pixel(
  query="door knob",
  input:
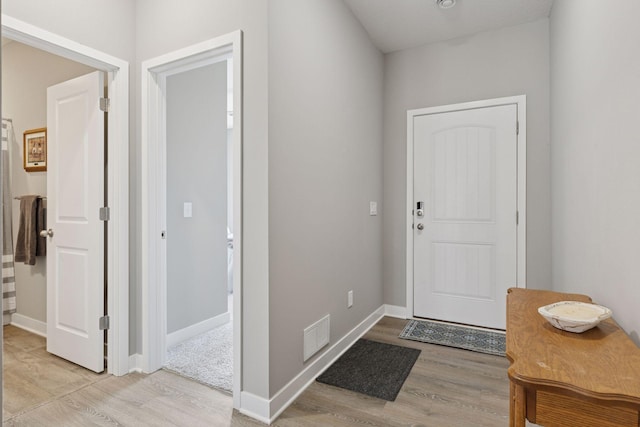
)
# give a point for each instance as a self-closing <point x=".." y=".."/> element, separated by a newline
<point x="46" y="233"/>
<point x="420" y="226"/>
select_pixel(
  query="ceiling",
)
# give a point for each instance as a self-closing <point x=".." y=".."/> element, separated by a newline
<point x="401" y="24"/>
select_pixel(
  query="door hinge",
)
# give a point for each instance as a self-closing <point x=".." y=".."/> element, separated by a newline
<point x="517" y="127"/>
<point x="105" y="213"/>
<point x="104" y="323"/>
<point x="517" y="217"/>
<point x="105" y="104"/>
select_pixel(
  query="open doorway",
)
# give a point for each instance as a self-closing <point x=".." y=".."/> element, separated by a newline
<point x="32" y="375"/>
<point x="199" y="220"/>
<point x="189" y="176"/>
<point x="116" y="177"/>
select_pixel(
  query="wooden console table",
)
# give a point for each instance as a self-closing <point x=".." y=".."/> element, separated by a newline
<point x="560" y="378"/>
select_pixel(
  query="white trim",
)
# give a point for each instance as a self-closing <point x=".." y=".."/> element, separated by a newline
<point x="135" y="363"/>
<point x="395" y="311"/>
<point x="31" y="35"/>
<point x="30" y="324"/>
<point x="118" y="227"/>
<point x="521" y="105"/>
<point x="520" y="101"/>
<point x="118" y="174"/>
<point x="199" y="328"/>
<point x="255" y="407"/>
<point x="268" y="411"/>
<point x="153" y="173"/>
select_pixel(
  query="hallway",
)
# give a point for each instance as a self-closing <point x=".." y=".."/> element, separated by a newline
<point x="447" y="387"/>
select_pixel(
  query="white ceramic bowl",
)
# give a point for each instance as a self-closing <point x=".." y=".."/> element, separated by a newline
<point x="574" y="316"/>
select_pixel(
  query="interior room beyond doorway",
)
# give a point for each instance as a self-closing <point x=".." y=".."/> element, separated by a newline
<point x="199" y="220"/>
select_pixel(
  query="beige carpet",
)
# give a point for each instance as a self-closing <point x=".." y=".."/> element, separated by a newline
<point x="206" y="358"/>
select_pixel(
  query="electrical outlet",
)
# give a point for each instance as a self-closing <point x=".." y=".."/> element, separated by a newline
<point x="349" y="299"/>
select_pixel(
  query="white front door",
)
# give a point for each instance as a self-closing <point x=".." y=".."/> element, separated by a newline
<point x="75" y="246"/>
<point x="465" y="178"/>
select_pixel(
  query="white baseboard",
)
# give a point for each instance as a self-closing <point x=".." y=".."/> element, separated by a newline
<point x="395" y="311"/>
<point x="135" y="363"/>
<point x="34" y="326"/>
<point x="268" y="410"/>
<point x="255" y="407"/>
<point x="197" y="329"/>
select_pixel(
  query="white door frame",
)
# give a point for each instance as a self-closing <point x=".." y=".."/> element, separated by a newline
<point x="521" y="105"/>
<point x="117" y="268"/>
<point x="154" y="291"/>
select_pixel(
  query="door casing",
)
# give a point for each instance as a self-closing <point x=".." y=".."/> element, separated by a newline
<point x="117" y="268"/>
<point x="520" y="102"/>
<point x="154" y="298"/>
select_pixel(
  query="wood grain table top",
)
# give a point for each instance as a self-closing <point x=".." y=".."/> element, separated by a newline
<point x="601" y="363"/>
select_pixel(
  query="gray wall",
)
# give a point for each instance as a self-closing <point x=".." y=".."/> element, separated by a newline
<point x="506" y="62"/>
<point x="325" y="158"/>
<point x="24" y="99"/>
<point x="106" y="26"/>
<point x="196" y="173"/>
<point x="595" y="82"/>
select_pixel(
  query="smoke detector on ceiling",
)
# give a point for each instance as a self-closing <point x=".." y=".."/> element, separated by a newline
<point x="446" y="4"/>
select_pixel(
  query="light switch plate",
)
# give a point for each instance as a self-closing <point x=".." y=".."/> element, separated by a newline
<point x="373" y="208"/>
<point x="188" y="210"/>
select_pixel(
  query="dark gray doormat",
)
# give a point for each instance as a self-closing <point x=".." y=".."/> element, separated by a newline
<point x="480" y="340"/>
<point x="372" y="368"/>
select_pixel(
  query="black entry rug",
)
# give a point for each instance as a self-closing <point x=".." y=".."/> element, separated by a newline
<point x="480" y="340"/>
<point x="372" y="368"/>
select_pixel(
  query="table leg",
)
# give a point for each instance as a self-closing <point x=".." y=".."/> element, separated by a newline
<point x="512" y="403"/>
<point x="517" y="406"/>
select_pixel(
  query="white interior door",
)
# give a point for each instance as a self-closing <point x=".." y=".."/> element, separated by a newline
<point x="75" y="246"/>
<point x="465" y="237"/>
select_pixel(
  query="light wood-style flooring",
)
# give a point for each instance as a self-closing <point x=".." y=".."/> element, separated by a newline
<point x="447" y="387"/>
<point x="32" y="377"/>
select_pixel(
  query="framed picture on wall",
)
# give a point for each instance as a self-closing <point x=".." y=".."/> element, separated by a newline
<point x="35" y="150"/>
